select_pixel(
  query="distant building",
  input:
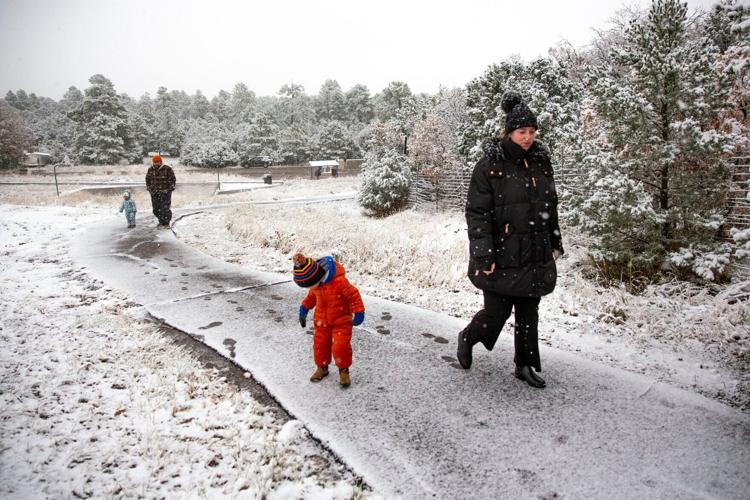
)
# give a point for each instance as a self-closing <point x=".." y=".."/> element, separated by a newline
<point x="319" y="167"/>
<point x="37" y="159"/>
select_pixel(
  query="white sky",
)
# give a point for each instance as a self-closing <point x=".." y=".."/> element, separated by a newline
<point x="48" y="45"/>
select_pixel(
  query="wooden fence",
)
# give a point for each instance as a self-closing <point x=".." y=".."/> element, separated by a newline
<point x="738" y="207"/>
<point x="448" y="192"/>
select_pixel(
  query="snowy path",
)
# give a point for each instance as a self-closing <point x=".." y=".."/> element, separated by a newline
<point x="415" y="426"/>
<point x="98" y="401"/>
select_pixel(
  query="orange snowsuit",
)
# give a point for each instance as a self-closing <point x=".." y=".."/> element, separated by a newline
<point x="335" y="301"/>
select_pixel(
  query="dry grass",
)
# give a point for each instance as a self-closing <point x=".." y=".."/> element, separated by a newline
<point x="409" y="245"/>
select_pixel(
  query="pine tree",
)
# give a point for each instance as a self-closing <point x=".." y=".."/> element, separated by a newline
<point x="15" y="136"/>
<point x="168" y="135"/>
<point x="242" y="104"/>
<point x="385" y="183"/>
<point x="295" y="107"/>
<point x="258" y="138"/>
<point x="334" y="142"/>
<point x="653" y="155"/>
<point x="546" y="88"/>
<point x="294" y="144"/>
<point x="330" y="104"/>
<point x="208" y="144"/>
<point x="359" y="104"/>
<point x="394" y="97"/>
<point x="102" y="135"/>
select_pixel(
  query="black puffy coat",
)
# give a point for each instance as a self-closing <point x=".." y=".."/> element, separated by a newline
<point x="511" y="212"/>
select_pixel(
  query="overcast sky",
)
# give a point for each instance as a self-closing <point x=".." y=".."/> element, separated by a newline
<point x="48" y="45"/>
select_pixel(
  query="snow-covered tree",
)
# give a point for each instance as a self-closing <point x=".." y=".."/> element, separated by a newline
<point x="258" y="138"/>
<point x="385" y="183"/>
<point x="199" y="106"/>
<point x="334" y="141"/>
<point x="547" y="90"/>
<point x="383" y="137"/>
<point x="330" y="103"/>
<point x="391" y="100"/>
<point x="435" y="142"/>
<point x="221" y="106"/>
<point x="295" y="107"/>
<point x="359" y="104"/>
<point x="102" y="135"/>
<point x="728" y="25"/>
<point x="167" y="132"/>
<point x="208" y="144"/>
<point x="294" y="144"/>
<point x="653" y="155"/>
<point x="15" y="136"/>
<point x="242" y="104"/>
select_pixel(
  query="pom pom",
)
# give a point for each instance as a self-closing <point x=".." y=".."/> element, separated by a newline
<point x="299" y="259"/>
<point x="510" y="100"/>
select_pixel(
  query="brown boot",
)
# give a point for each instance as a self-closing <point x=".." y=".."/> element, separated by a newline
<point x="320" y="372"/>
<point x="344" y="377"/>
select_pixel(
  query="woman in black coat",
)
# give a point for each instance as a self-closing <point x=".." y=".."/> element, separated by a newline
<point x="514" y="238"/>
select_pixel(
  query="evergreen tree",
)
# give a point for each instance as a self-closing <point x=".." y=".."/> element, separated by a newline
<point x="334" y="142"/>
<point x="208" y="144"/>
<point x="547" y="90"/>
<point x="221" y="106"/>
<point x="394" y="97"/>
<point x="15" y="136"/>
<point x="258" y="138"/>
<point x="385" y="183"/>
<point x="330" y="103"/>
<point x="295" y="107"/>
<point x="242" y="105"/>
<point x="168" y="135"/>
<point x="655" y="182"/>
<point x="294" y="144"/>
<point x="359" y="104"/>
<point x="199" y="106"/>
<point x="101" y="133"/>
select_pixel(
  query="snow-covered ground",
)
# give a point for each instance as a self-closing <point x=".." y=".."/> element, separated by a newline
<point x="97" y="401"/>
<point x="676" y="333"/>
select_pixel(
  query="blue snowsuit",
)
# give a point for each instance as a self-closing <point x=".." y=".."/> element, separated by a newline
<point x="130" y="209"/>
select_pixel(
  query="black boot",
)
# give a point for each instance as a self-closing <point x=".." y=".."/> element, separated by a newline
<point x="524" y="373"/>
<point x="464" y="348"/>
<point x="536" y="377"/>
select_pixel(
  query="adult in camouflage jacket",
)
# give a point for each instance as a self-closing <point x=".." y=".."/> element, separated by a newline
<point x="514" y="238"/>
<point x="160" y="182"/>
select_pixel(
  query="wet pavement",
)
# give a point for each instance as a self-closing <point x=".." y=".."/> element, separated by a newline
<point x="413" y="423"/>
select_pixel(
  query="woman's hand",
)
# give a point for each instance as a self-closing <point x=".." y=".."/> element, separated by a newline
<point x="487" y="272"/>
<point x="556" y="254"/>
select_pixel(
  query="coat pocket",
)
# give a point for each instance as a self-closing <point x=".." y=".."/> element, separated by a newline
<point x="508" y="248"/>
<point x="542" y="247"/>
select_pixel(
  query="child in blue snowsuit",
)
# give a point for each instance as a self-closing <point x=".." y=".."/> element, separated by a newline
<point x="128" y="206"/>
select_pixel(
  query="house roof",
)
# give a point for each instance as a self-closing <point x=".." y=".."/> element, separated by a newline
<point x="324" y="163"/>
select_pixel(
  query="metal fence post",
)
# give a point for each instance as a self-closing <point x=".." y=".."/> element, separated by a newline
<point x="54" y="169"/>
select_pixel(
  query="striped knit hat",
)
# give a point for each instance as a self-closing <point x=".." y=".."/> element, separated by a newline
<point x="307" y="272"/>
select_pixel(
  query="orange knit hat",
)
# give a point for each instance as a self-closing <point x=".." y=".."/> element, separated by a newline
<point x="156" y="159"/>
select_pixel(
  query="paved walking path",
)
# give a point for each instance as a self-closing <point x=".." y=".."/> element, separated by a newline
<point x="413" y="424"/>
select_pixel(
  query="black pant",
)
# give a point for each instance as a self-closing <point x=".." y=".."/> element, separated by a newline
<point x="160" y="203"/>
<point x="486" y="325"/>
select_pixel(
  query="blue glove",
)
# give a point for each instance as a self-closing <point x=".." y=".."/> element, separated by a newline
<point x="303" y="316"/>
<point x="359" y="318"/>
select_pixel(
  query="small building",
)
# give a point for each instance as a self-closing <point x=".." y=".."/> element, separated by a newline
<point x="320" y="167"/>
<point x="37" y="159"/>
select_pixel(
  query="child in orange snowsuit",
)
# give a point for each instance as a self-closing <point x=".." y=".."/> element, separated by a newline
<point x="338" y="306"/>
